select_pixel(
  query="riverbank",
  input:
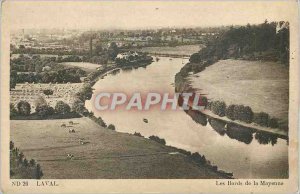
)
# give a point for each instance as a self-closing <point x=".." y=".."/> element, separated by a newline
<point x="243" y="82"/>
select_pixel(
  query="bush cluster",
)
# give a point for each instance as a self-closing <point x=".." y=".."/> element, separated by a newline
<point x="157" y="139"/>
<point x="239" y="112"/>
<point x="242" y="113"/>
<point x="20" y="167"/>
<point x="218" y="108"/>
<point x="264" y="119"/>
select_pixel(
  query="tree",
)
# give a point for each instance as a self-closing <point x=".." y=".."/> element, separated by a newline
<point x="44" y="110"/>
<point x="13" y="110"/>
<point x="38" y="172"/>
<point x="25" y="162"/>
<point x="113" y="50"/>
<point x="247" y="114"/>
<point x="13" y="79"/>
<point x="62" y="108"/>
<point x="230" y="112"/>
<point x="273" y="123"/>
<point x="85" y="93"/>
<point x="198" y="158"/>
<point x="261" y="118"/>
<point x="23" y="108"/>
<point x="112" y="127"/>
<point x="78" y="106"/>
<point x="11" y="145"/>
<point x="32" y="162"/>
<point x="99" y="121"/>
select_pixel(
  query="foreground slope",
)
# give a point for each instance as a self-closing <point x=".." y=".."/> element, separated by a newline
<point x="105" y="154"/>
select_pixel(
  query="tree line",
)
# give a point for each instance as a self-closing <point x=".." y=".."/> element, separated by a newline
<point x="242" y="113"/>
<point x="22" y="168"/>
<point x="42" y="110"/>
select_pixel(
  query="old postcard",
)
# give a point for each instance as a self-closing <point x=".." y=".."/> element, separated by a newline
<point x="149" y="96"/>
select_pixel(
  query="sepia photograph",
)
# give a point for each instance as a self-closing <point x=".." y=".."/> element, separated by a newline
<point x="149" y="90"/>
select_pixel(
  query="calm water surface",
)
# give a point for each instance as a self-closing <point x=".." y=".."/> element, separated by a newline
<point x="246" y="154"/>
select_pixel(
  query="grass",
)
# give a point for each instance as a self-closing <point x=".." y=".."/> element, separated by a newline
<point x="264" y="86"/>
<point x="105" y="154"/>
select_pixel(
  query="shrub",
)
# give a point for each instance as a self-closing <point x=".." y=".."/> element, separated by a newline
<point x="44" y="110"/>
<point x="247" y="114"/>
<point x="138" y="134"/>
<point x="23" y="108"/>
<point x="219" y="108"/>
<point x="98" y="120"/>
<point x="230" y="112"/>
<point x="48" y="92"/>
<point x="13" y="110"/>
<point x="273" y="123"/>
<point x="32" y="162"/>
<point x="237" y="111"/>
<point x="198" y="158"/>
<point x="112" y="127"/>
<point x="25" y="162"/>
<point x="157" y="139"/>
<point x="85" y="93"/>
<point x="62" y="108"/>
<point x="78" y="106"/>
<point x="261" y="118"/>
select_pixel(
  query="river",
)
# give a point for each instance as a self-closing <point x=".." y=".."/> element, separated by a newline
<point x="245" y="153"/>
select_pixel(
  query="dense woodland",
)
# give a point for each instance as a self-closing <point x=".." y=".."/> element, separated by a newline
<point x="266" y="41"/>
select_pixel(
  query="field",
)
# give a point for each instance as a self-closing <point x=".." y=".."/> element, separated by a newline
<point x="264" y="86"/>
<point x="33" y="93"/>
<point x="88" y="67"/>
<point x="178" y="50"/>
<point x="104" y="154"/>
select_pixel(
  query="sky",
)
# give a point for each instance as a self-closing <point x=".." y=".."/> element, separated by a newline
<point x="141" y="14"/>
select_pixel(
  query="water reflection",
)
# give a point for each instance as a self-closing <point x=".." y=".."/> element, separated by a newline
<point x="234" y="131"/>
<point x="218" y="125"/>
<point x="265" y="138"/>
<point x="240" y="133"/>
<point x="197" y="116"/>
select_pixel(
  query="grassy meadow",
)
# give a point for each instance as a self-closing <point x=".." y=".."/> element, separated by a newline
<point x="105" y="154"/>
<point x="264" y="86"/>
